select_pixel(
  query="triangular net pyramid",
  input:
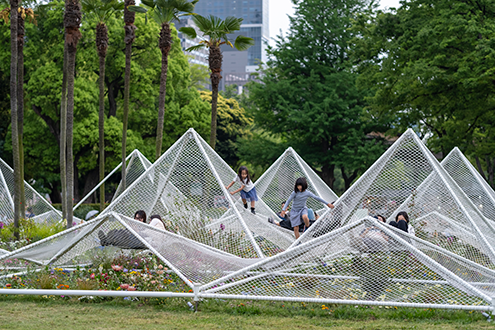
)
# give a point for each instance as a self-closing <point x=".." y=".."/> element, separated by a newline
<point x="471" y="182"/>
<point x="186" y="186"/>
<point x="277" y="183"/>
<point x="365" y="262"/>
<point x="193" y="262"/>
<point x="35" y="204"/>
<point x="137" y="164"/>
<point x="409" y="178"/>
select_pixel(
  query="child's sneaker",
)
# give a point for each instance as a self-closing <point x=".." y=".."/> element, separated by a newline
<point x="270" y="220"/>
<point x="245" y="206"/>
<point x="252" y="211"/>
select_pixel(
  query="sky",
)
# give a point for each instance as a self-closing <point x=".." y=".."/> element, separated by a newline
<point x="279" y="9"/>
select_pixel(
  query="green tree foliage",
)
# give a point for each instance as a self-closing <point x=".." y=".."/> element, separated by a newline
<point x="431" y="65"/>
<point x="44" y="54"/>
<point x="308" y="94"/>
<point x="233" y="123"/>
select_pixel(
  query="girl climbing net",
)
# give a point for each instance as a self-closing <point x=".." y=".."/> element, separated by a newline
<point x="247" y="189"/>
<point x="299" y="211"/>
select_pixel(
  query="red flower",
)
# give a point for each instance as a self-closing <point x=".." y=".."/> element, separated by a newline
<point x="124" y="286"/>
<point x="8" y="285"/>
<point x="131" y="288"/>
<point x="92" y="276"/>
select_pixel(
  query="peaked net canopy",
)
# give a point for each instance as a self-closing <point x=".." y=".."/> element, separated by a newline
<point x="364" y="262"/>
<point x="471" y="182"/>
<point x="36" y="206"/>
<point x="186" y="186"/>
<point x="277" y="183"/>
<point x="409" y="178"/>
<point x="136" y="164"/>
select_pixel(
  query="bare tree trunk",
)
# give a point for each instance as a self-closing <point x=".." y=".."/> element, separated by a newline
<point x="102" y="45"/>
<point x="63" y="137"/>
<point x="20" y="105"/>
<point x="480" y="168"/>
<point x="72" y="21"/>
<point x="165" y="44"/>
<point x="13" y="111"/>
<point x="129" y="29"/>
<point x="215" y="63"/>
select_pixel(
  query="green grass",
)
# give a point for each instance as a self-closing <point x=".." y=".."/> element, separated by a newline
<point x="32" y="312"/>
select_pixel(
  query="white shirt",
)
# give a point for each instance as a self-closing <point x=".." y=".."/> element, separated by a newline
<point x="157" y="223"/>
<point x="247" y="185"/>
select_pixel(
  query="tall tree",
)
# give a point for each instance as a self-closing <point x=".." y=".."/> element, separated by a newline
<point x="164" y="12"/>
<point x="14" y="5"/>
<point x="130" y="35"/>
<point x="430" y="65"/>
<point x="308" y="93"/>
<point x="100" y="10"/>
<point x="215" y="33"/>
<point x="72" y="21"/>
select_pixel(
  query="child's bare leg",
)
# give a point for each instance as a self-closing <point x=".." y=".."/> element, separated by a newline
<point x="244" y="201"/>
<point x="306" y="220"/>
<point x="252" y="204"/>
<point x="296" y="231"/>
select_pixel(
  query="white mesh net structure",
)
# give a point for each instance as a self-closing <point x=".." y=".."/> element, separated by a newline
<point x="471" y="182"/>
<point x="136" y="163"/>
<point x="364" y="262"/>
<point x="277" y="183"/>
<point x="186" y="187"/>
<point x="408" y="178"/>
<point x="37" y="207"/>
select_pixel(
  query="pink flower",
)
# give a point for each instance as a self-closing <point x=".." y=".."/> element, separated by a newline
<point x="124" y="286"/>
<point x="153" y="282"/>
<point x="131" y="288"/>
<point x="117" y="268"/>
<point x="92" y="276"/>
<point x="159" y="272"/>
<point x="160" y="266"/>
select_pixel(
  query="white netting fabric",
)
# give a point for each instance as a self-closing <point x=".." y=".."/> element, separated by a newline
<point x="36" y="207"/>
<point x="137" y="164"/>
<point x="277" y="183"/>
<point x="471" y="182"/>
<point x="366" y="262"/>
<point x="186" y="187"/>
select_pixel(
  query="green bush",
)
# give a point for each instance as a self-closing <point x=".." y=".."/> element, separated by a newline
<point x="30" y="231"/>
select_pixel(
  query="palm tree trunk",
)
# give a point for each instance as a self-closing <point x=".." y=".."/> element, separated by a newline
<point x="13" y="113"/>
<point x="20" y="106"/>
<point x="215" y="62"/>
<point x="165" y="43"/>
<point x="63" y="137"/>
<point x="72" y="20"/>
<point x="129" y="39"/>
<point x="102" y="45"/>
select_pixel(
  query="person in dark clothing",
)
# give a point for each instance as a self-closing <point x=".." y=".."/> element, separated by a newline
<point x="401" y="221"/>
<point x="123" y="238"/>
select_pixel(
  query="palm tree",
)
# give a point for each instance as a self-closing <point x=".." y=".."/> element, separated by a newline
<point x="129" y="37"/>
<point x="215" y="34"/>
<point x="72" y="21"/>
<point x="164" y="12"/>
<point x="100" y="10"/>
<point x="22" y="13"/>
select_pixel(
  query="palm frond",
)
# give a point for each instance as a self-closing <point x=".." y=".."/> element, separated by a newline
<point x="232" y="24"/>
<point x="149" y="3"/>
<point x="243" y="43"/>
<point x="189" y="31"/>
<point x="197" y="47"/>
<point x="137" y="9"/>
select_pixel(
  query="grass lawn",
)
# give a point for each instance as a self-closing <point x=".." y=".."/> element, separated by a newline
<point x="30" y="312"/>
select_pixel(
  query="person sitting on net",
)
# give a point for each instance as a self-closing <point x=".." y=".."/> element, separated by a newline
<point x="299" y="211"/>
<point x="285" y="221"/>
<point x="123" y="238"/>
<point x="401" y="221"/>
<point x="156" y="221"/>
<point x="374" y="238"/>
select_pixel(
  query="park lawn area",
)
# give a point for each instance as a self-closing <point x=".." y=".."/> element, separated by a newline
<point x="28" y="312"/>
